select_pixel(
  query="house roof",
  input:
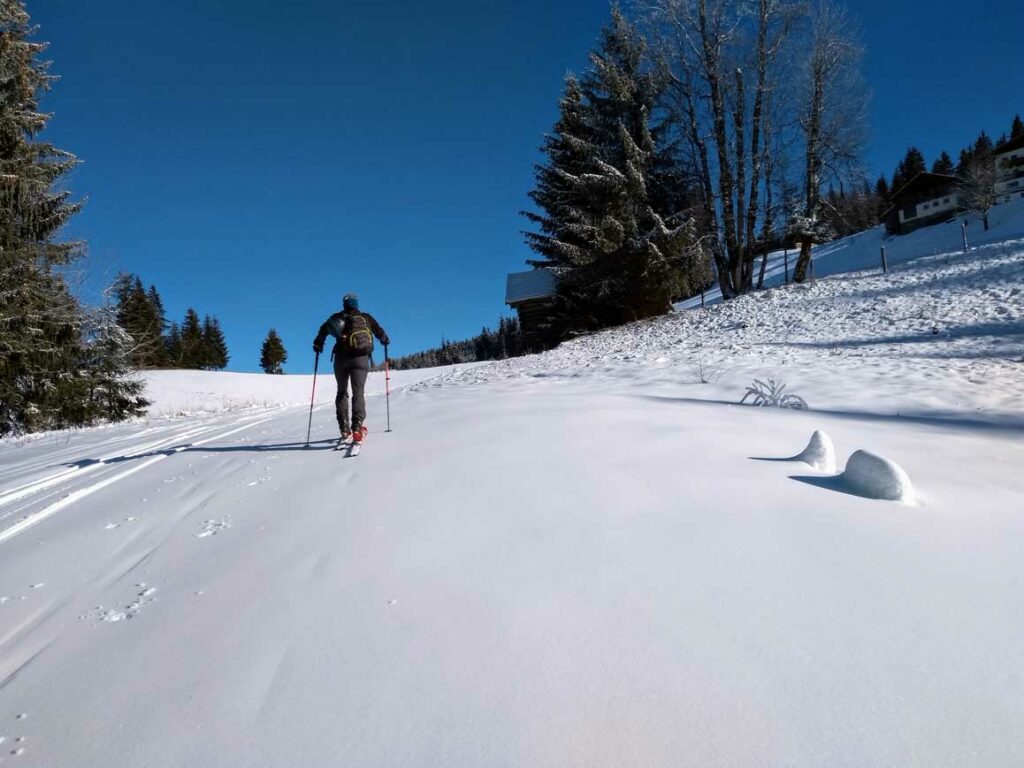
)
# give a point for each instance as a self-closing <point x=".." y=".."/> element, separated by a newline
<point x="925" y="179"/>
<point x="535" y="284"/>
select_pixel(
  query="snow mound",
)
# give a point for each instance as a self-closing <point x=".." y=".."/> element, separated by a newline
<point x="876" y="477"/>
<point x="819" y="453"/>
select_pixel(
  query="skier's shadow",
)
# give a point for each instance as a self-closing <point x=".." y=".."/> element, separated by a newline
<point x="326" y="444"/>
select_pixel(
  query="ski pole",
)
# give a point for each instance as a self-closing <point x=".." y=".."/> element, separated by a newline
<point x="312" y="397"/>
<point x="387" y="386"/>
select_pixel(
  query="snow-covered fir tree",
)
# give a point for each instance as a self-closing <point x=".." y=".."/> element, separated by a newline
<point x="273" y="355"/>
<point x="610" y="200"/>
<point x="50" y="365"/>
<point x="140" y="313"/>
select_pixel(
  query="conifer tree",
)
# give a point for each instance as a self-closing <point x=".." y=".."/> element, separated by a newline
<point x="882" y="195"/>
<point x="944" y="164"/>
<point x="47" y="366"/>
<point x="983" y="145"/>
<point x="193" y="353"/>
<point x="141" y="318"/>
<point x="173" y="345"/>
<point x="609" y="193"/>
<point x="912" y="164"/>
<point x="272" y="354"/>
<point x="570" y="149"/>
<point x="215" y="349"/>
<point x="106" y="359"/>
<point x="1017" y="129"/>
<point x="159" y="357"/>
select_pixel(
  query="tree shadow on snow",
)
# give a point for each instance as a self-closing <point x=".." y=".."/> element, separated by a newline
<point x="1011" y="330"/>
<point x="999" y="423"/>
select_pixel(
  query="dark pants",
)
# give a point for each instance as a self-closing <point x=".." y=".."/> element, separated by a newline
<point x="354" y="370"/>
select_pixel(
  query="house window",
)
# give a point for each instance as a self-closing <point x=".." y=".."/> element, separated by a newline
<point x="910" y="212"/>
<point x="945" y="200"/>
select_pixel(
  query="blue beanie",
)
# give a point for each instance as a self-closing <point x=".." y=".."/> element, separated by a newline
<point x="351" y="301"/>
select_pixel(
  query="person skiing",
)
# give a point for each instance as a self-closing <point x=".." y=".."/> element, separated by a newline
<point x="353" y="345"/>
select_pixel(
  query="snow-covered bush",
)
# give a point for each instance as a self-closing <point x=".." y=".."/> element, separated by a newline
<point x="772" y="394"/>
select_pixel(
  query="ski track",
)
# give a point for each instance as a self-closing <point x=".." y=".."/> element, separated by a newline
<point x="163" y="448"/>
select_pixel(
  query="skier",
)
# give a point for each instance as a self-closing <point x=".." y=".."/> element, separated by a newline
<point x="352" y="348"/>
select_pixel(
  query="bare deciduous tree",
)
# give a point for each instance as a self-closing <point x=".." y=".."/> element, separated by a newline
<point x="832" y="117"/>
<point x="978" y="187"/>
<point x="724" y="58"/>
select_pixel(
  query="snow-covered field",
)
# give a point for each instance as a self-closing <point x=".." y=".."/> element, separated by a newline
<point x="583" y="558"/>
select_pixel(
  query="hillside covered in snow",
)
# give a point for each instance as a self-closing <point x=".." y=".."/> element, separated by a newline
<point x="940" y="334"/>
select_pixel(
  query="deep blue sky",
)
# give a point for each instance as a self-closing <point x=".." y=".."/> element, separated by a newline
<point x="259" y="159"/>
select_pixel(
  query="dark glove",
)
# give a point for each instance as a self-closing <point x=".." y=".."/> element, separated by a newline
<point x="318" y="347"/>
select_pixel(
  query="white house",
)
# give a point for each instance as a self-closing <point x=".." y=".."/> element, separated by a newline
<point x="926" y="199"/>
<point x="1009" y="162"/>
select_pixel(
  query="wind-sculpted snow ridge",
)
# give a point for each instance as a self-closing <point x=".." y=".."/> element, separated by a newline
<point x="937" y="334"/>
<point x="819" y="453"/>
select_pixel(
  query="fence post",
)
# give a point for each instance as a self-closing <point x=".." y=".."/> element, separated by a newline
<point x="885" y="267"/>
<point x="965" y="236"/>
<point x="785" y="258"/>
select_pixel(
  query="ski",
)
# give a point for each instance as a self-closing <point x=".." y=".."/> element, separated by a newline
<point x="349" y="445"/>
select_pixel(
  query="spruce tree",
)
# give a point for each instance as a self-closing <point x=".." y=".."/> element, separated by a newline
<point x="944" y="165"/>
<point x="193" y="353"/>
<point x="173" y="346"/>
<point x="609" y="193"/>
<point x="912" y="164"/>
<point x="47" y="366"/>
<point x="1017" y="129"/>
<point x="570" y="150"/>
<point x="138" y="315"/>
<point x="215" y="349"/>
<point x="272" y="354"/>
<point x="106" y="359"/>
<point x="983" y="145"/>
<point x="883" y="197"/>
<point x="159" y="358"/>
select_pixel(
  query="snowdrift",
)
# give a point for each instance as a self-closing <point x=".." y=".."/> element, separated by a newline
<point x="876" y="477"/>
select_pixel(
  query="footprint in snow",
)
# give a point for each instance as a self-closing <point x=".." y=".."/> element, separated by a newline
<point x="213" y="527"/>
<point x="110" y="615"/>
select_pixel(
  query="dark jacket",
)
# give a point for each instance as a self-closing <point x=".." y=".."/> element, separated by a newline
<point x="335" y="326"/>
